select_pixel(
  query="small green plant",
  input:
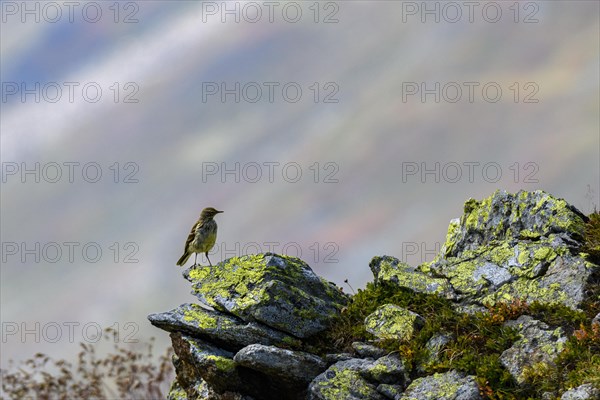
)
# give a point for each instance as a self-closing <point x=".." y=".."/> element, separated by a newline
<point x="126" y="373"/>
<point x="592" y="237"/>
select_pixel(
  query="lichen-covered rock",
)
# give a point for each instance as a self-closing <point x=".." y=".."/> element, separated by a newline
<point x="392" y="322"/>
<point x="515" y="246"/>
<point x="393" y="392"/>
<point x="505" y="216"/>
<point x="538" y="344"/>
<point x="202" y="391"/>
<point x="227" y="331"/>
<point x="390" y="269"/>
<point x="279" y="291"/>
<point x="295" y="369"/>
<point x="343" y="380"/>
<point x="451" y="385"/>
<point x="270" y="312"/>
<point x="200" y="361"/>
<point x="564" y="282"/>
<point x="176" y="392"/>
<point x="583" y="392"/>
<point x="389" y="369"/>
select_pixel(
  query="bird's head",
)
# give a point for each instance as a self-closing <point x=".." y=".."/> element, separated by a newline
<point x="209" y="212"/>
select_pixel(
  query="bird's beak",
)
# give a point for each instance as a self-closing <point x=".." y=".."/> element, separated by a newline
<point x="218" y="212"/>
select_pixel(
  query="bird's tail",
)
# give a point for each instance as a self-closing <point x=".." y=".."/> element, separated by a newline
<point x="184" y="258"/>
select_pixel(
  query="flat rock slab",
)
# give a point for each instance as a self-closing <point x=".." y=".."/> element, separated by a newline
<point x="226" y="330"/>
<point x="290" y="366"/>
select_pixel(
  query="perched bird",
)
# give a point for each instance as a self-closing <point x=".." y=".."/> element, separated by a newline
<point x="202" y="237"/>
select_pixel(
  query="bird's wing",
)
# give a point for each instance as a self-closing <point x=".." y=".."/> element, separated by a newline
<point x="192" y="235"/>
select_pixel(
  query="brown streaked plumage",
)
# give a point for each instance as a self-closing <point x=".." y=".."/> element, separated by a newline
<point x="202" y="237"/>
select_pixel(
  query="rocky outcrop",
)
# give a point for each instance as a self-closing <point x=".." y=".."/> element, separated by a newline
<point x="248" y="344"/>
<point x="258" y="331"/>
<point x="505" y="247"/>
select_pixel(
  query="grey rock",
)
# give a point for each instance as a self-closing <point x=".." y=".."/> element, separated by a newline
<point x="224" y="330"/>
<point x="584" y="392"/>
<point x="366" y="350"/>
<point x="564" y="282"/>
<point x="389" y="369"/>
<point x="176" y="392"/>
<point x="549" y="396"/>
<point x="343" y="380"/>
<point x="537" y="344"/>
<point x="336" y="357"/>
<point x="393" y="392"/>
<point x="295" y="367"/>
<point x="596" y="319"/>
<point x="492" y="273"/>
<point x="389" y="269"/>
<point x="279" y="291"/>
<point x="451" y="385"/>
<point x="509" y="246"/>
<point x="202" y="391"/>
<point x="521" y="216"/>
<point x="199" y="361"/>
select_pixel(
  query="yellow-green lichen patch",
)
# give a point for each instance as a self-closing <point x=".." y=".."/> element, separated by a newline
<point x="176" y="392"/>
<point x="442" y="386"/>
<point x="343" y="383"/>
<point x="448" y="247"/>
<point x="461" y="278"/>
<point x="222" y="364"/>
<point x="500" y="254"/>
<point x="528" y="290"/>
<point x="527" y="234"/>
<point x="393" y="322"/>
<point x="279" y="291"/>
<point x="199" y="317"/>
<point x="233" y="276"/>
<point x="392" y="270"/>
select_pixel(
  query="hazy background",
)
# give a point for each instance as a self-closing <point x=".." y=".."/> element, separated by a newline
<point x="355" y="123"/>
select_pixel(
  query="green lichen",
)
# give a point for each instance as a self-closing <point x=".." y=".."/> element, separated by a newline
<point x="223" y="364"/>
<point x="392" y="322"/>
<point x="443" y="389"/>
<point x="391" y="270"/>
<point x="198" y="316"/>
<point x="249" y="282"/>
<point x="526" y="234"/>
<point x="530" y="291"/>
<point x="176" y="392"/>
<point x="346" y="382"/>
<point x="499" y="254"/>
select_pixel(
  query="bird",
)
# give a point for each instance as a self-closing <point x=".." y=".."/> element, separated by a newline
<point x="202" y="237"/>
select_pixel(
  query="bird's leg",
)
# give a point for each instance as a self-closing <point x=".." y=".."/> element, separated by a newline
<point x="195" y="259"/>
<point x="209" y="263"/>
